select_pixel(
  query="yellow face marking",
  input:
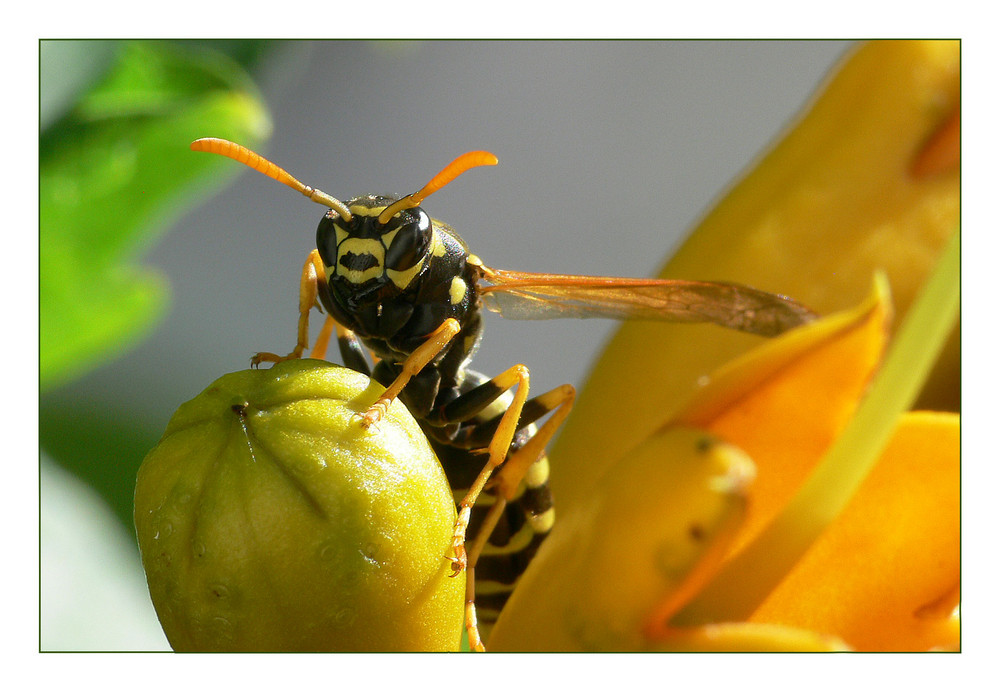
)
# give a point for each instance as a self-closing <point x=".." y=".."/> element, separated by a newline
<point x="403" y="278"/>
<point x="387" y="237"/>
<point x="457" y="290"/>
<point x="361" y="246"/>
<point x="362" y="210"/>
<point x="356" y="276"/>
<point x="340" y="232"/>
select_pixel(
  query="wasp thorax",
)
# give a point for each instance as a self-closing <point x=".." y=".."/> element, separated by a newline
<point x="362" y="250"/>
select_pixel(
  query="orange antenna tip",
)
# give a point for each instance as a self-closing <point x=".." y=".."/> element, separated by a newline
<point x="238" y="152"/>
<point x="465" y="162"/>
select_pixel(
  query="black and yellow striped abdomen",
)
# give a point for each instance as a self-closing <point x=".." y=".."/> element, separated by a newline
<point x="525" y="522"/>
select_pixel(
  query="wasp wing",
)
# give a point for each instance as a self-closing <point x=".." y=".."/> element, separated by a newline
<point x="530" y="296"/>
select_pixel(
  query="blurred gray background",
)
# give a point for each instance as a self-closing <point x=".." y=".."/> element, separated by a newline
<point x="609" y="153"/>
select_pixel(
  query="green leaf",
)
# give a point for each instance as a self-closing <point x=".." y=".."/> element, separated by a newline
<point x="113" y="171"/>
<point x="59" y="89"/>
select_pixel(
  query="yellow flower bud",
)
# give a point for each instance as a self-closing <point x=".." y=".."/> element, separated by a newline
<point x="269" y="520"/>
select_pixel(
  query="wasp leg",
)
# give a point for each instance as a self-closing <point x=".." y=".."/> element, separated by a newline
<point x="352" y="351"/>
<point x="323" y="339"/>
<point x="560" y="402"/>
<point x="519" y="468"/>
<point x="501" y="429"/>
<point x="516" y="468"/>
<point x="413" y="364"/>
<point x="312" y="277"/>
<point x="497" y="448"/>
<point x="471" y="623"/>
<point x="471" y="620"/>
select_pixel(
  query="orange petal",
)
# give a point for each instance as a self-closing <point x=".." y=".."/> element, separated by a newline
<point x="942" y="153"/>
<point x="787" y="401"/>
<point x="646" y="539"/>
<point x="885" y="575"/>
<point x="747" y="636"/>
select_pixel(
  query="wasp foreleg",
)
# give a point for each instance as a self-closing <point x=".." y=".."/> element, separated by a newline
<point x="312" y="277"/>
<point x="413" y="364"/>
<point x="323" y="338"/>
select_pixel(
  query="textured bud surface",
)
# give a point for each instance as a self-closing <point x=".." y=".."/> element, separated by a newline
<point x="269" y="520"/>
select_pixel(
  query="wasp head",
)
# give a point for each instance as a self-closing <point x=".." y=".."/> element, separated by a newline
<point x="363" y="255"/>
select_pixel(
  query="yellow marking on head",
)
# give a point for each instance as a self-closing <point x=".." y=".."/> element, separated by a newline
<point x="356" y="276"/>
<point x="387" y="237"/>
<point x="364" y="210"/>
<point x="457" y="290"/>
<point x="341" y="233"/>
<point x="404" y="278"/>
<point x="361" y="246"/>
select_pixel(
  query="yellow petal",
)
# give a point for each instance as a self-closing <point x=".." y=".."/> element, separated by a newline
<point x="833" y="202"/>
<point x="655" y="527"/>
<point x="885" y="574"/>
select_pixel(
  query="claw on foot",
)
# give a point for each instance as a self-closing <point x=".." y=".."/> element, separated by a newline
<point x="461" y="559"/>
<point x="272" y="358"/>
<point x="458" y="562"/>
<point x="371" y="417"/>
<point x="259" y="358"/>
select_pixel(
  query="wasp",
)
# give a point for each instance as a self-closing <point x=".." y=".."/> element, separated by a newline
<point x="404" y="288"/>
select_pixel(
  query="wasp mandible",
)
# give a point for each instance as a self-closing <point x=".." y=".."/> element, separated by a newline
<point x="405" y="286"/>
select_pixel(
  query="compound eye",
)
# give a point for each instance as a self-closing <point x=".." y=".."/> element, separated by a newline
<point x="328" y="236"/>
<point x="408" y="245"/>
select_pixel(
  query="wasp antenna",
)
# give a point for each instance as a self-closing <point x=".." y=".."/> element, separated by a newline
<point x="238" y="152"/>
<point x="467" y="161"/>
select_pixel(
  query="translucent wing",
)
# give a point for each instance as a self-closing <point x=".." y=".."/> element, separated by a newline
<point x="529" y="296"/>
